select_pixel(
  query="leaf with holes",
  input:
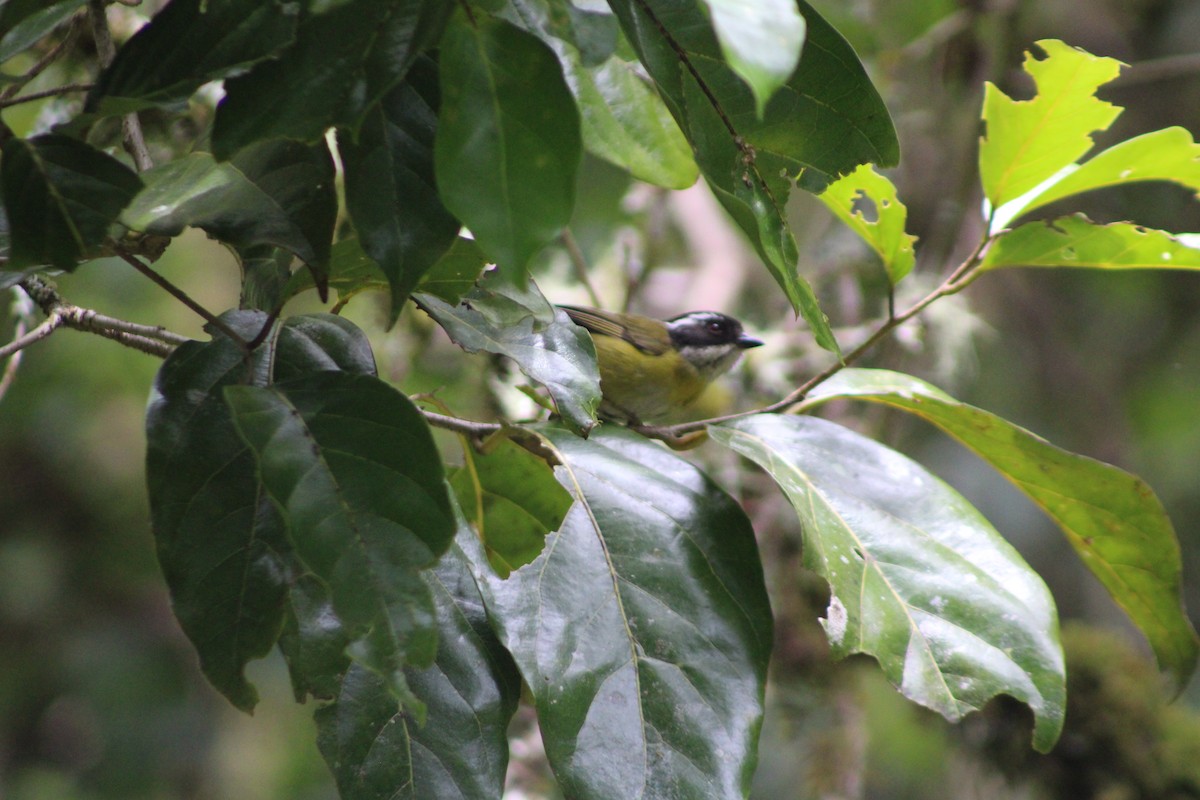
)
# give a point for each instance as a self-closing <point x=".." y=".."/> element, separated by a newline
<point x="918" y="578"/>
<point x="882" y="225"/>
<point x="1076" y="241"/>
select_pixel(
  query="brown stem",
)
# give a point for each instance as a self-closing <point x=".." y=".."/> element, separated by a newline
<point x="579" y="262"/>
<point x="131" y="126"/>
<point x="183" y="297"/>
<point x="66" y="88"/>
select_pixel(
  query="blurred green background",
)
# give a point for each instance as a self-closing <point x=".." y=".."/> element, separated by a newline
<point x="100" y="695"/>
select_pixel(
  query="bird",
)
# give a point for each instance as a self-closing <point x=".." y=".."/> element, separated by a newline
<point x="651" y="368"/>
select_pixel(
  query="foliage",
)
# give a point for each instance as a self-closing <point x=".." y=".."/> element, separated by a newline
<point x="300" y="499"/>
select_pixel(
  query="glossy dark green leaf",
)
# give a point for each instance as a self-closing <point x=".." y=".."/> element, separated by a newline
<point x="24" y="22"/>
<point x="521" y="324"/>
<point x="508" y="143"/>
<point x="1113" y="520"/>
<point x="187" y="44"/>
<point x="62" y="196"/>
<point x="823" y="123"/>
<point x="377" y="750"/>
<point x="643" y="629"/>
<point x="352" y="467"/>
<point x="313" y="640"/>
<point x="917" y="577"/>
<point x="512" y="500"/>
<point x="266" y="272"/>
<point x="623" y="119"/>
<point x="222" y="547"/>
<point x="761" y="40"/>
<point x="390" y="189"/>
<point x="342" y="62"/>
<point x="276" y="193"/>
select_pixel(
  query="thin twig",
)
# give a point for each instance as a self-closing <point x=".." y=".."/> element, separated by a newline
<point x="579" y="262"/>
<point x="66" y="88"/>
<point x="22" y="341"/>
<point x="41" y="64"/>
<point x="182" y="297"/>
<point x="131" y="126"/>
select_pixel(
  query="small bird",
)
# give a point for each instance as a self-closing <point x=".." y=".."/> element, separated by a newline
<point x="650" y="368"/>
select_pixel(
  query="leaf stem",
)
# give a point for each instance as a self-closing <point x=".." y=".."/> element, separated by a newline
<point x="579" y="262"/>
<point x="182" y="297"/>
<point x="66" y="88"/>
<point x="131" y="126"/>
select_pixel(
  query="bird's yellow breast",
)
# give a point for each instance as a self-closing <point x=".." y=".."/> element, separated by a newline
<point x="642" y="386"/>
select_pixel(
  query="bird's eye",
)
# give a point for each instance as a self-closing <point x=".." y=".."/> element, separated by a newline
<point x="716" y="326"/>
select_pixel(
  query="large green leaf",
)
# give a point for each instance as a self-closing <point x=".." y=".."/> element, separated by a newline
<point x="761" y="40"/>
<point x="278" y="193"/>
<point x="508" y="143"/>
<point x="342" y="62"/>
<point x="1076" y="241"/>
<point x="222" y="547"/>
<point x="352" y="469"/>
<point x="61" y="196"/>
<point x="1113" y="520"/>
<point x="823" y="123"/>
<point x="519" y="323"/>
<point x="867" y="202"/>
<point x="188" y="43"/>
<point x="918" y="578"/>
<point x="512" y="500"/>
<point x="390" y="190"/>
<point x="643" y="629"/>
<point x="623" y="120"/>
<point x="378" y="751"/>
<point x="1027" y="141"/>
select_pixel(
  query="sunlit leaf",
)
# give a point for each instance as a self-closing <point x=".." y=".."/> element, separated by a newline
<point x="1169" y="155"/>
<point x="918" y="578"/>
<point x="1028" y="141"/>
<point x="508" y="143"/>
<point x="643" y="629"/>
<point x="519" y="323"/>
<point x="866" y="201"/>
<point x="377" y="750"/>
<point x="1076" y="241"/>
<point x="61" y="197"/>
<point x="1112" y="519"/>
<point x="513" y="501"/>
<point x="761" y="40"/>
<point x="352" y="469"/>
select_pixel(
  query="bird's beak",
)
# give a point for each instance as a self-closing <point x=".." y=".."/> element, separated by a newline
<point x="746" y="342"/>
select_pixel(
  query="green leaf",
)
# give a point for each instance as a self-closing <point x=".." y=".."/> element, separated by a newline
<point x="761" y="40"/>
<point x="1111" y="518"/>
<point x="266" y="272"/>
<point x="189" y="43"/>
<point x="276" y="193"/>
<point x="352" y="468"/>
<point x="882" y="226"/>
<point x="1166" y="155"/>
<point x="1076" y="241"/>
<point x="342" y="62"/>
<point x="508" y="143"/>
<point x="62" y="196"/>
<point x="512" y="500"/>
<point x="622" y="119"/>
<point x="1028" y="141"/>
<point x="313" y="640"/>
<point x="376" y="750"/>
<point x="519" y="323"/>
<point x="643" y="629"/>
<point x="390" y="190"/>
<point x="826" y="121"/>
<point x="456" y="272"/>
<point x="223" y="549"/>
<point x="918" y="578"/>
<point x="23" y="23"/>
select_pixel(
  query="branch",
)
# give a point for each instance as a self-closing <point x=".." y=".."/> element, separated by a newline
<point x="131" y="127"/>
<point x="40" y="66"/>
<point x="183" y="297"/>
<point x="66" y="88"/>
